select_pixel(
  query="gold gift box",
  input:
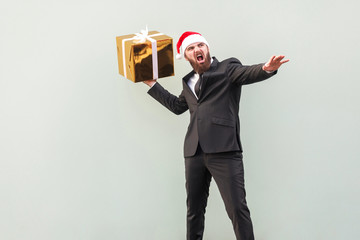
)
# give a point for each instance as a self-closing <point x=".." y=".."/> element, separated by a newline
<point x="135" y="56"/>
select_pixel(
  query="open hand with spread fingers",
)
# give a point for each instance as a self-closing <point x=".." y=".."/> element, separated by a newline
<point x="274" y="63"/>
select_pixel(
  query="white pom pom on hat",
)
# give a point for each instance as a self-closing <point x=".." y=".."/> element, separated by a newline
<point x="186" y="39"/>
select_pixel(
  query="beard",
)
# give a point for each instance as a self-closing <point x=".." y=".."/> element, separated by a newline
<point x="203" y="67"/>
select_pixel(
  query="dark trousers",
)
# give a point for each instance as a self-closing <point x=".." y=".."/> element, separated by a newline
<point x="228" y="172"/>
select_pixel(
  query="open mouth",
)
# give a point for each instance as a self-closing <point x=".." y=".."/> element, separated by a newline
<point x="200" y="58"/>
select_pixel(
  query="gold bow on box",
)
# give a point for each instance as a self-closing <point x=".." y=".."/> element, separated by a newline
<point x="137" y="59"/>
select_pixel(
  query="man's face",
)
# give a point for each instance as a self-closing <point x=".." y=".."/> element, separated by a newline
<point x="199" y="56"/>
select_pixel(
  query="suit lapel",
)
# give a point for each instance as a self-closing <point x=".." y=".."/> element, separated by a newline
<point x="186" y="86"/>
<point x="206" y="75"/>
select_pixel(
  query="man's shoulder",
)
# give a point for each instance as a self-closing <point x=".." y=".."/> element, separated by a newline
<point x="231" y="60"/>
<point x="188" y="76"/>
<point x="228" y="62"/>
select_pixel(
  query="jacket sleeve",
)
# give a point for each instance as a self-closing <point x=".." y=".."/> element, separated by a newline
<point x="177" y="105"/>
<point x="242" y="75"/>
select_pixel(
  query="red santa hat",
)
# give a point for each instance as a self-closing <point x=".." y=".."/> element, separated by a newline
<point x="186" y="39"/>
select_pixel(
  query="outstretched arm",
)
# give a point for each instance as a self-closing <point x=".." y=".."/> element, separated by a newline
<point x="274" y="63"/>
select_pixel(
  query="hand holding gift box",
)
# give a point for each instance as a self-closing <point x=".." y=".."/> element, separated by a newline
<point x="145" y="56"/>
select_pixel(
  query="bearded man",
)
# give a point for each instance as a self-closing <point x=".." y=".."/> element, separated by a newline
<point x="212" y="147"/>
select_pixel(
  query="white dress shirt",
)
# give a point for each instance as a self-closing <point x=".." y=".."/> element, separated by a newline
<point x="192" y="82"/>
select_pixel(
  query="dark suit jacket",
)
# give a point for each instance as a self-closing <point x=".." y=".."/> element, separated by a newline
<point x="214" y="117"/>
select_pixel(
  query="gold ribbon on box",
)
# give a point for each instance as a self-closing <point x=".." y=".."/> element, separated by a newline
<point x="141" y="38"/>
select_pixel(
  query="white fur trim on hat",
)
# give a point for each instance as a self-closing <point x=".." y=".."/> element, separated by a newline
<point x="194" y="38"/>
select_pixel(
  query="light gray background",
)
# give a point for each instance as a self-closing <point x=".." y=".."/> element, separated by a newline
<point x="86" y="154"/>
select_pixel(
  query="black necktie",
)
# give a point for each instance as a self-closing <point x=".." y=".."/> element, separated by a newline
<point x="198" y="85"/>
